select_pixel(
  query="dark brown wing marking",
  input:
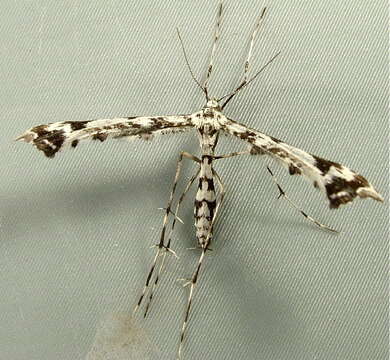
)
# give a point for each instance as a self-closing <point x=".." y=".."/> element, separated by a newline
<point x="53" y="137"/>
<point x="340" y="184"/>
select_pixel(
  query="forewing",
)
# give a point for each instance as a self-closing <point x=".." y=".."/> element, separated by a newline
<point x="53" y="137"/>
<point x="340" y="184"/>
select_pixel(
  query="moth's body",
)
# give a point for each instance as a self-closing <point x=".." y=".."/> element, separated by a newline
<point x="340" y="184"/>
<point x="206" y="199"/>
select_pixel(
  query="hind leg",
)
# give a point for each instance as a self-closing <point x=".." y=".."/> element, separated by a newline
<point x="195" y="276"/>
<point x="169" y="240"/>
<point x="163" y="248"/>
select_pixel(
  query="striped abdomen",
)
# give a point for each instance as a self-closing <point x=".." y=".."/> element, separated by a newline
<point x="205" y="202"/>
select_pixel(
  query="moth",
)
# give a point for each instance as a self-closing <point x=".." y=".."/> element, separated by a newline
<point x="340" y="184"/>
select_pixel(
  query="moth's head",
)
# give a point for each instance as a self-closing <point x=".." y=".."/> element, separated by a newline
<point x="213" y="104"/>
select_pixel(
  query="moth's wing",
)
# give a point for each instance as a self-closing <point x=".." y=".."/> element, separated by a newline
<point x="53" y="137"/>
<point x="340" y="184"/>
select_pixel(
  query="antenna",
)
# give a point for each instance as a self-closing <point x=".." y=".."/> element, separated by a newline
<point x="188" y="64"/>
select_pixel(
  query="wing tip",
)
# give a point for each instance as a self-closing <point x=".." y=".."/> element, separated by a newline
<point x="369" y="192"/>
<point x="345" y="197"/>
<point x="27" y="137"/>
<point x="47" y="142"/>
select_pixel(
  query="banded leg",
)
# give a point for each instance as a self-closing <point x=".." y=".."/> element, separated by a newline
<point x="161" y="247"/>
<point x="245" y="81"/>
<point x="253" y="36"/>
<point x="216" y="37"/>
<point x="283" y="194"/>
<point x="169" y="240"/>
<point x="192" y="282"/>
<point x="226" y="156"/>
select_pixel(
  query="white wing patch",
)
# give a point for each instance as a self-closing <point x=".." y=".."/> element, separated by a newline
<point x="340" y="184"/>
<point x="53" y="137"/>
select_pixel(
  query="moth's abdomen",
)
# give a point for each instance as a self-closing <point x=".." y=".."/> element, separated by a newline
<point x="205" y="203"/>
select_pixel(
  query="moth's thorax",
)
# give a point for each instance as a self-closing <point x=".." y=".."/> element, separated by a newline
<point x="208" y="123"/>
<point x="208" y="138"/>
<point x="205" y="203"/>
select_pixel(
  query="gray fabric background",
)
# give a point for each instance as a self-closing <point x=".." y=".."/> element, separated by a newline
<point x="76" y="230"/>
